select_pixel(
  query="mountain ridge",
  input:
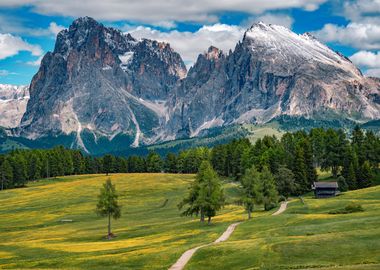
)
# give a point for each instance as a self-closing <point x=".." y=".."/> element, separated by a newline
<point x="107" y="83"/>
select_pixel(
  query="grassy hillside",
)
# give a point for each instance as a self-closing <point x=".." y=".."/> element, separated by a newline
<point x="150" y="233"/>
<point x="304" y="237"/>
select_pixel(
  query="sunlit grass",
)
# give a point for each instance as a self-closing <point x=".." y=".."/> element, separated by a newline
<point x="303" y="237"/>
<point x="150" y="234"/>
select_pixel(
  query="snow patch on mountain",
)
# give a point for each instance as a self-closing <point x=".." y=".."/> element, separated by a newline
<point x="126" y="59"/>
<point x="284" y="45"/>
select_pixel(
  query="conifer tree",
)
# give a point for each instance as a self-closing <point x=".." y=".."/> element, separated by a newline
<point x="311" y="173"/>
<point x="343" y="186"/>
<point x="6" y="174"/>
<point x="171" y="163"/>
<point x="211" y="196"/>
<point x="251" y="190"/>
<point x="299" y="170"/>
<point x="365" y="178"/>
<point x="108" y="205"/>
<point x="285" y="182"/>
<point x="205" y="196"/>
<point x="269" y="190"/>
<point x="218" y="159"/>
<point x="107" y="164"/>
<point x="153" y="163"/>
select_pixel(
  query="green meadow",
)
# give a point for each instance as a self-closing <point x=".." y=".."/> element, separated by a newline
<point x="51" y="224"/>
<point x="305" y="236"/>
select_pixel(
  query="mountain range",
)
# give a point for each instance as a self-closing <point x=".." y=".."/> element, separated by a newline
<point x="100" y="84"/>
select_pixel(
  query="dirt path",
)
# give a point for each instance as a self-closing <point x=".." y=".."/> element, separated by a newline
<point x="186" y="256"/>
<point x="281" y="209"/>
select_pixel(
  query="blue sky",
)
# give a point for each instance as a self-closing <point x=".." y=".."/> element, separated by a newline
<point x="28" y="27"/>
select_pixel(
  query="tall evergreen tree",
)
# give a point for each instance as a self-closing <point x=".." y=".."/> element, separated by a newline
<point x="108" y="161"/>
<point x="269" y="190"/>
<point x="205" y="196"/>
<point x="299" y="170"/>
<point x="6" y="174"/>
<point x="211" y="196"/>
<point x="218" y="159"/>
<point x="171" y="163"/>
<point x="35" y="167"/>
<point x="285" y="182"/>
<point x="311" y="172"/>
<point x="153" y="163"/>
<point x="108" y="205"/>
<point x="366" y="175"/>
<point x="19" y="166"/>
<point x="251" y="190"/>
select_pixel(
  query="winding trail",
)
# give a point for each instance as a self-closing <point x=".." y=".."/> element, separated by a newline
<point x="186" y="256"/>
<point x="281" y="209"/>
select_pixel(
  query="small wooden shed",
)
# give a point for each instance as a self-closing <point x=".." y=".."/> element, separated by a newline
<point x="325" y="189"/>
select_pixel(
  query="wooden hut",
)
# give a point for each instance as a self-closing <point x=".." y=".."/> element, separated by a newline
<point x="325" y="189"/>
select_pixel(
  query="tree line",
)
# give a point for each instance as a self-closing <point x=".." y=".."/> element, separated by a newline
<point x="292" y="160"/>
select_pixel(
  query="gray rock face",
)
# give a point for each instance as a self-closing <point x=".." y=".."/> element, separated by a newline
<point x="103" y="81"/>
<point x="13" y="100"/>
<point x="272" y="72"/>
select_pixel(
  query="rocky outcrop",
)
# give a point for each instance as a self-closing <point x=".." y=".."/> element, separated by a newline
<point x="101" y="80"/>
<point x="13" y="100"/>
<point x="271" y="72"/>
<point x="105" y="82"/>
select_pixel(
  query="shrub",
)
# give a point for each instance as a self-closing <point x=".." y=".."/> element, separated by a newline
<point x="350" y="208"/>
<point x="342" y="184"/>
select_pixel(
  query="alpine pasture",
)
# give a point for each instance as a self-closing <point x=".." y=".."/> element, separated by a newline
<point x="52" y="224"/>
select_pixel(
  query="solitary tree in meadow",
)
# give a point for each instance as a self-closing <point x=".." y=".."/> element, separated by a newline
<point x="211" y="196"/>
<point x="205" y="194"/>
<point x="108" y="205"/>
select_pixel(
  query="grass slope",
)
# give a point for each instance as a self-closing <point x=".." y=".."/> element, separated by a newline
<point x="150" y="233"/>
<point x="304" y="237"/>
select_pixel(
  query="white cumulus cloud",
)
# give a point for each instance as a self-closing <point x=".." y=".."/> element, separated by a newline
<point x="369" y="61"/>
<point x="357" y="35"/>
<point x="11" y="45"/>
<point x="362" y="31"/>
<point x="364" y="11"/>
<point x="153" y="11"/>
<point x="54" y="28"/>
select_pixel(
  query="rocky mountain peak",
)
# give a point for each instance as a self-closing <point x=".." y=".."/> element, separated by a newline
<point x="84" y="22"/>
<point x="103" y="82"/>
<point x="213" y="53"/>
<point x="293" y="51"/>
